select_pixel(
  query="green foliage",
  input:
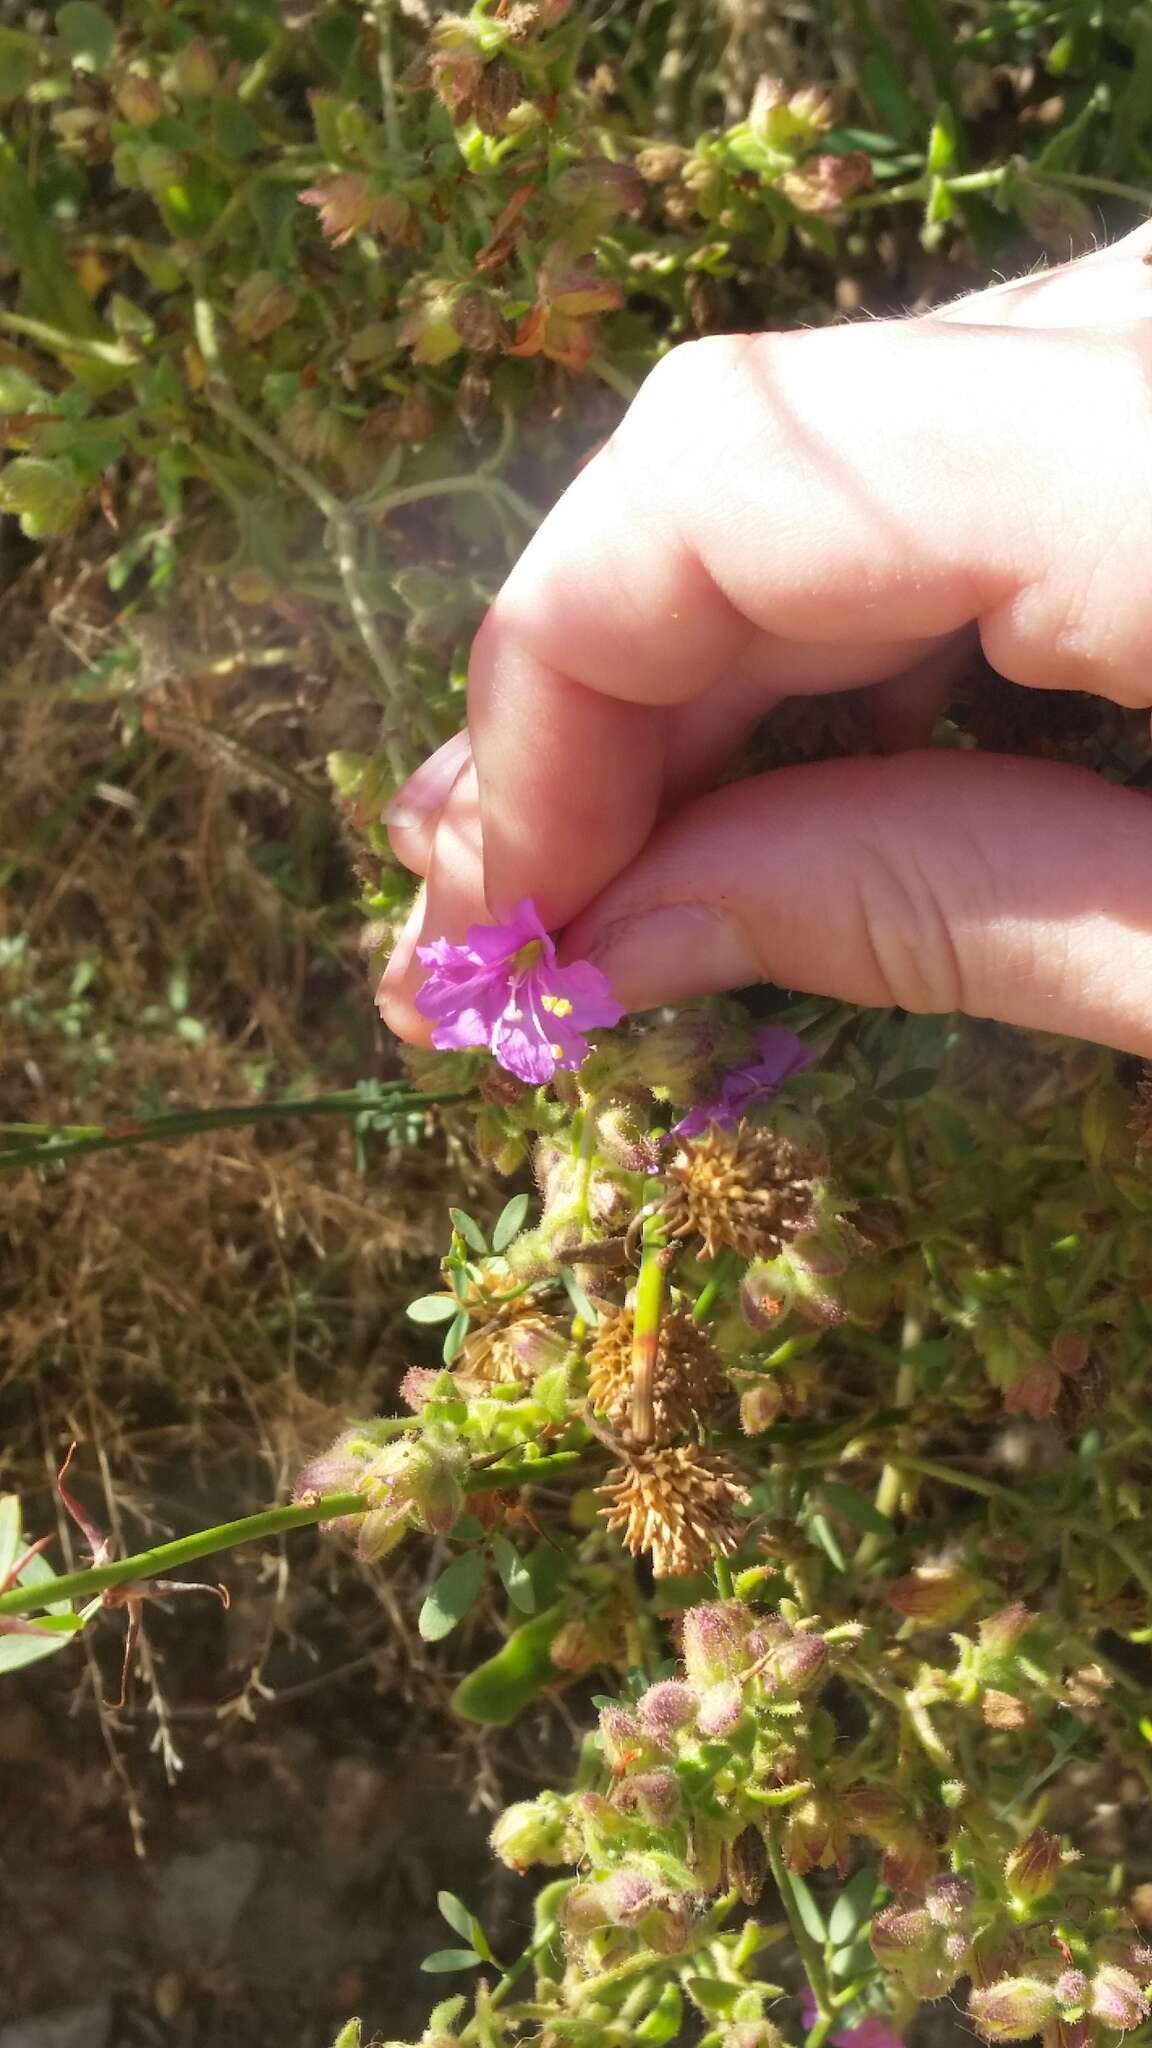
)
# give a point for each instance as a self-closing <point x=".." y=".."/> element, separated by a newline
<point x="353" y="297"/>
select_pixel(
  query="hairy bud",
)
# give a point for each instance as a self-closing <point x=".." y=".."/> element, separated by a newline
<point x="1117" y="2000"/>
<point x="535" y="1831"/>
<point x="720" y="1709"/>
<point x="665" y="1708"/>
<point x="654" y="1796"/>
<point x="715" y="1641"/>
<point x="1014" y="2009"/>
<point x="1032" y="1870"/>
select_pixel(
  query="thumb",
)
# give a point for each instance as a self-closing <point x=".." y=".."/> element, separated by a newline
<point x="933" y="881"/>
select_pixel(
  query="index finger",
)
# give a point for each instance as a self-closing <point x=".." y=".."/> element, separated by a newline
<point x="844" y="489"/>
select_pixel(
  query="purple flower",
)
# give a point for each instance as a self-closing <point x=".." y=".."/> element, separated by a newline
<point x="503" y="989"/>
<point x="779" y="1053"/>
<point x="873" y="2032"/>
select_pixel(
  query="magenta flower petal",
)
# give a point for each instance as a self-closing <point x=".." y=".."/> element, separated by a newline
<point x="502" y="989"/>
<point x="779" y="1054"/>
<point x="873" y="2032"/>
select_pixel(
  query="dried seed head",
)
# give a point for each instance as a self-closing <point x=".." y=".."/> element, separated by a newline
<point x="688" y="1384"/>
<point x="678" y="1502"/>
<point x="746" y="1188"/>
<point x="748" y="1859"/>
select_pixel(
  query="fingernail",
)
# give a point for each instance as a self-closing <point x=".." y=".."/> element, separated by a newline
<point x="680" y="950"/>
<point x="428" y="790"/>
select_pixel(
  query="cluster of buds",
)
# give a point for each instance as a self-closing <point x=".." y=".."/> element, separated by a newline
<point x="408" y="1482"/>
<point x="693" y="1764"/>
<point x="927" y="1947"/>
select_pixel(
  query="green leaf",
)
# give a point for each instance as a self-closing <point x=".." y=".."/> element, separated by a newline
<point x="811" y="1917"/>
<point x="825" y="1536"/>
<point x="455" y="1337"/>
<point x="907" y="1086"/>
<point x="451" y="1596"/>
<point x="19" y="63"/>
<point x="514" y="1574"/>
<point x="456" y="1913"/>
<point x="444" y="1959"/>
<point x="467" y="1227"/>
<point x="855" y="1508"/>
<point x="499" y="1689"/>
<point x="10" y="1526"/>
<point x="852" y="1908"/>
<point x="441" y="2017"/>
<point x="712" y="1995"/>
<point x="432" y="1308"/>
<point x="349" y="2036"/>
<point x="510" y="1222"/>
<point x="87" y="34"/>
<point x="889" y="94"/>
<point x="45" y="496"/>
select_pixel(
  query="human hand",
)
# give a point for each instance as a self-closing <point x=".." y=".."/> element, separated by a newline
<point x="791" y="514"/>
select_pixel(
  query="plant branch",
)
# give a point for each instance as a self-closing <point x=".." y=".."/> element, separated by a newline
<point x="164" y="1558"/>
<point x="68" y="1141"/>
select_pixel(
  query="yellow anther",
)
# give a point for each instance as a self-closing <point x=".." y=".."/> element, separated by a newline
<point x="558" y="1005"/>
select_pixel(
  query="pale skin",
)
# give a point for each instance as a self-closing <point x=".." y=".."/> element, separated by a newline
<point x="782" y="515"/>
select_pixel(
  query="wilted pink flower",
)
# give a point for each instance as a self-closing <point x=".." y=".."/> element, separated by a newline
<point x="348" y="205"/>
<point x="874" y="2032"/>
<point x="779" y="1054"/>
<point x="503" y="989"/>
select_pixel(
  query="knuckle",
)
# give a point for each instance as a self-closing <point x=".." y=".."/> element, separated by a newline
<point x="907" y="932"/>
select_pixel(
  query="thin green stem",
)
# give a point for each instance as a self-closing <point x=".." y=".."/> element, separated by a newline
<point x="115" y="355"/>
<point x="722" y="1573"/>
<point x="548" y="1934"/>
<point x="807" y="1948"/>
<point x="340" y="537"/>
<point x="382" y="16"/>
<point x="478" y="483"/>
<point x="164" y="1558"/>
<point x="891" y="1482"/>
<point x="70" y="1140"/>
<point x="651" y="1285"/>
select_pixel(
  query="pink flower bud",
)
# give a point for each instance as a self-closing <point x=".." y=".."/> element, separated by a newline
<point x="654" y="1796"/>
<point x="1072" y="1989"/>
<point x="1032" y="1870"/>
<point x="1117" y="1999"/>
<point x="949" y="1900"/>
<point x="1014" y="2009"/>
<point x="627" y="1896"/>
<point x="624" y="1743"/>
<point x="665" y="1708"/>
<point x="934" y="1593"/>
<point x="715" y="1641"/>
<point x="1001" y="1632"/>
<point x="720" y="1709"/>
<point x="796" y="1666"/>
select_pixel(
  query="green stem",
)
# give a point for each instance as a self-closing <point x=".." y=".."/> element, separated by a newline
<point x="651" y="1282"/>
<point x="891" y="1482"/>
<point x="340" y="536"/>
<point x="810" y="1954"/>
<point x="114" y="355"/>
<point x="499" y="1992"/>
<point x="722" y="1573"/>
<point x="68" y="1141"/>
<point x="165" y="1558"/>
<point x="479" y="482"/>
<point x="382" y="15"/>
